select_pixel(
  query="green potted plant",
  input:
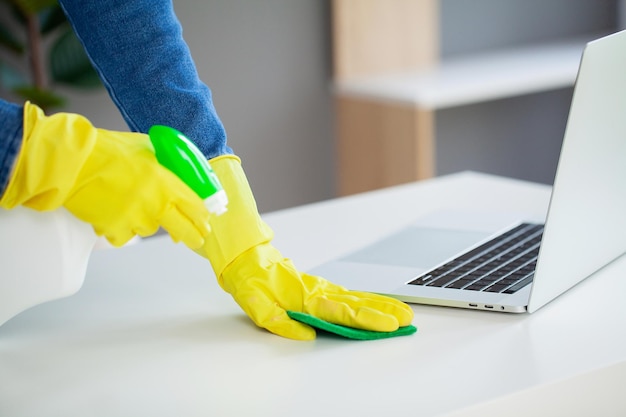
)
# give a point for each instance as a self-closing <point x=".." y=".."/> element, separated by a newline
<point x="39" y="51"/>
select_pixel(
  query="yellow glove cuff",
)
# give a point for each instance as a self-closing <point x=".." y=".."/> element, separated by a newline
<point x="241" y="227"/>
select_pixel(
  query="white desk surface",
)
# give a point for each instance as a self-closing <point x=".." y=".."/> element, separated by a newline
<point x="152" y="334"/>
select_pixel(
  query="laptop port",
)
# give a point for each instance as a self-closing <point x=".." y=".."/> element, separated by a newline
<point x="488" y="306"/>
<point x="473" y="305"/>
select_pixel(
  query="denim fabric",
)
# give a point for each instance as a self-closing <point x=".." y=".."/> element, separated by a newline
<point x="138" y="49"/>
<point x="139" y="52"/>
<point x="11" y="119"/>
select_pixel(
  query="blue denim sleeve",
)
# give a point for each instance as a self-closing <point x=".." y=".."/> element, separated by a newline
<point x="139" y="52"/>
<point x="11" y="122"/>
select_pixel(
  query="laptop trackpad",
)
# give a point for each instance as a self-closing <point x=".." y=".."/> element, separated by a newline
<point x="417" y="247"/>
<point x="397" y="259"/>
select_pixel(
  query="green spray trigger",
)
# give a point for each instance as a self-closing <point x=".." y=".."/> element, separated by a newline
<point x="177" y="153"/>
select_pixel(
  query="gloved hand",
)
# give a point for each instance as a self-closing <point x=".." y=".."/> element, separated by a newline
<point x="111" y="180"/>
<point x="265" y="284"/>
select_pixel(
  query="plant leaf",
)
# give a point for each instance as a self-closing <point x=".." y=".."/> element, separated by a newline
<point x="43" y="98"/>
<point x="51" y="19"/>
<point x="9" y="41"/>
<point x="30" y="7"/>
<point x="16" y="14"/>
<point x="69" y="63"/>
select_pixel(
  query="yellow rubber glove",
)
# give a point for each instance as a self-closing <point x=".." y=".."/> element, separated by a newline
<point x="266" y="285"/>
<point x="111" y="180"/>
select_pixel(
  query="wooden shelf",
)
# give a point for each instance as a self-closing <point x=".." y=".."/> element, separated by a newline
<point x="476" y="78"/>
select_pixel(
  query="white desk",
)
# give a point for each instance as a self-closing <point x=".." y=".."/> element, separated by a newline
<point x="151" y="334"/>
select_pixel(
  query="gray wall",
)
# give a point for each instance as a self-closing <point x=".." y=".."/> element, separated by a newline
<point x="268" y="64"/>
<point x="479" y="25"/>
<point x="521" y="136"/>
<point x="518" y="137"/>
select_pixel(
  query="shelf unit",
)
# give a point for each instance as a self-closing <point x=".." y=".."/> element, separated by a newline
<point x="472" y="79"/>
<point x="385" y="114"/>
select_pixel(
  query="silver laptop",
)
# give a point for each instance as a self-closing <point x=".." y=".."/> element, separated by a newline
<point x="505" y="263"/>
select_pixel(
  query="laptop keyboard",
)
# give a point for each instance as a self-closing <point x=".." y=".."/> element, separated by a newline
<point x="505" y="264"/>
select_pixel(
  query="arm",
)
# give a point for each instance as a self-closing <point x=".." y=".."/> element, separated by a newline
<point x="10" y="139"/>
<point x="139" y="52"/>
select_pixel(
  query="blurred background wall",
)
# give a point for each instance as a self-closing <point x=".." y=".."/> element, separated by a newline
<point x="268" y="64"/>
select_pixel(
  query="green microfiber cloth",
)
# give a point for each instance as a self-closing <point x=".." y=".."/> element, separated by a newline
<point x="349" y="332"/>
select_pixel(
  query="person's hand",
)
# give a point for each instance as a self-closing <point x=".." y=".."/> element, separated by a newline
<point x="111" y="180"/>
<point x="266" y="285"/>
